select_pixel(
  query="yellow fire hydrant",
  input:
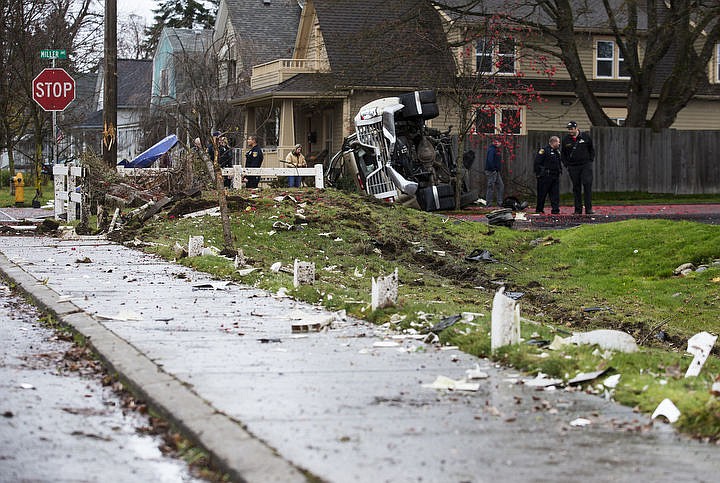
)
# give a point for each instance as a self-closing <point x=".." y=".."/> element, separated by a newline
<point x="19" y="184"/>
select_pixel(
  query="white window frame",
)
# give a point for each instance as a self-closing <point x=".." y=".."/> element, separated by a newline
<point x="495" y="56"/>
<point x="717" y="63"/>
<point x="498" y="116"/>
<point x="616" y="61"/>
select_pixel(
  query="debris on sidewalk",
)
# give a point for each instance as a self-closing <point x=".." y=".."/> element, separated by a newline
<point x="124" y="316"/>
<point x="580" y="422"/>
<point x="541" y="380"/>
<point x="699" y="346"/>
<point x="213" y="285"/>
<point x="443" y="382"/>
<point x="476" y="373"/>
<point x="667" y="409"/>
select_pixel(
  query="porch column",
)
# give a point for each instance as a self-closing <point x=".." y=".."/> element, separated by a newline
<point x="286" y="136"/>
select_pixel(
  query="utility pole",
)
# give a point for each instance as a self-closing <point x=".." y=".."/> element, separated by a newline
<point x="110" y="84"/>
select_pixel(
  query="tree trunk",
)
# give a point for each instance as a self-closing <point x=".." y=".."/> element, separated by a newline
<point x="228" y="247"/>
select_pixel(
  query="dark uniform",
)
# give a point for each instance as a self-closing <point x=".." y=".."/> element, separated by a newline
<point x="578" y="154"/>
<point x="547" y="171"/>
<point x="253" y="159"/>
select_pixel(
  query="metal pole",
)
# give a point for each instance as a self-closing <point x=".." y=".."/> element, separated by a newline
<point x="53" y="136"/>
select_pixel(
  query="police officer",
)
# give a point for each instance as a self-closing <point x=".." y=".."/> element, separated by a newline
<point x="578" y="154"/>
<point x="253" y="159"/>
<point x="547" y="171"/>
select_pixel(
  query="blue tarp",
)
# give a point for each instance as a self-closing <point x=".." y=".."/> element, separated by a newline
<point x="149" y="156"/>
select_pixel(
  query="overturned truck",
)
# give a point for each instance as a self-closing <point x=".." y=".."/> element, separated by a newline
<point x="394" y="156"/>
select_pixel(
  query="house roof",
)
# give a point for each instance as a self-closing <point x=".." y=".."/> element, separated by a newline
<point x="384" y="42"/>
<point x="268" y="26"/>
<point x="134" y="83"/>
<point x="188" y="40"/>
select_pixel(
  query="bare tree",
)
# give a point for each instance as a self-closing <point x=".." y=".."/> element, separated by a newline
<point x="651" y="35"/>
<point x="131" y="38"/>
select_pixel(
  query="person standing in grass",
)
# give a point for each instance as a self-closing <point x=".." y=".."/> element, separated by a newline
<point x="253" y="159"/>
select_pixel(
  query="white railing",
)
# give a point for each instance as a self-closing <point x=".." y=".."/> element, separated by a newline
<point x="237" y="173"/>
<point x="68" y="199"/>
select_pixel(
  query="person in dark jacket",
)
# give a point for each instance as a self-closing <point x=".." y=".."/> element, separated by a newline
<point x="253" y="159"/>
<point x="493" y="165"/>
<point x="578" y="154"/>
<point x="547" y="171"/>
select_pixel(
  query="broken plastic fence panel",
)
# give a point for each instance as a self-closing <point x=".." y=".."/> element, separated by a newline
<point x="385" y="291"/>
<point x="612" y="381"/>
<point x="580" y="422"/>
<point x="195" y="245"/>
<point x="505" y="325"/>
<point x="303" y="273"/>
<point x="442" y="382"/>
<point x="586" y="376"/>
<point x="476" y="373"/>
<point x="275" y="267"/>
<point x="210" y="211"/>
<point x="607" y="339"/>
<point x="445" y="323"/>
<point x="699" y="346"/>
<point x="542" y="381"/>
<point x="668" y="409"/>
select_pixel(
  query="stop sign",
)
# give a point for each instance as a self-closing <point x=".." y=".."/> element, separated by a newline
<point x="53" y="89"/>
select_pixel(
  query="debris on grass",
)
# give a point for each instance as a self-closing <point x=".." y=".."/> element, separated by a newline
<point x="505" y="324"/>
<point x="667" y="409"/>
<point x="699" y="346"/>
<point x="606" y="339"/>
<point x="586" y="376"/>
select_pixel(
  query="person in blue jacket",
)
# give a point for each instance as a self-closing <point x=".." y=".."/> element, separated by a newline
<point x="493" y="166"/>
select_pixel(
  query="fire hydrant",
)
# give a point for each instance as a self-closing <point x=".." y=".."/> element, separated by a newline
<point x="19" y="184"/>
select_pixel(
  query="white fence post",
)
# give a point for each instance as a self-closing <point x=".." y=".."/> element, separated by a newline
<point x="65" y="181"/>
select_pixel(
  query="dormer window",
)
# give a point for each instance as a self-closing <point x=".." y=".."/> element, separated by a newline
<point x="495" y="57"/>
<point x="609" y="62"/>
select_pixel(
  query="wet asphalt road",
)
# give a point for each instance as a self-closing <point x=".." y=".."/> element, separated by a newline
<point x="59" y="426"/>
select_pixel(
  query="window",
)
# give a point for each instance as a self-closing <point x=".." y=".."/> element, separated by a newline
<point x="231" y="71"/>
<point x="609" y="62"/>
<point x="495" y="58"/>
<point x="717" y="63"/>
<point x="164" y="83"/>
<point x="503" y="119"/>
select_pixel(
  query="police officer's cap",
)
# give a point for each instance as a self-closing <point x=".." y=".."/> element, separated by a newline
<point x="571" y="124"/>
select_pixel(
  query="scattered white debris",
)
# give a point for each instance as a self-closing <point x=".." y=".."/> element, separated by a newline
<point x="386" y="343"/>
<point x="668" y="409"/>
<point x="246" y="271"/>
<point x="586" y="376"/>
<point x="213" y="285"/>
<point x="541" y="380"/>
<point x="580" y="422"/>
<point x="123" y="315"/>
<point x="384" y="291"/>
<point x="442" y="382"/>
<point x="612" y="381"/>
<point x="25" y="385"/>
<point x="606" y="339"/>
<point x="210" y="211"/>
<point x="699" y="346"/>
<point x="275" y="267"/>
<point x="476" y="373"/>
<point x="358" y="274"/>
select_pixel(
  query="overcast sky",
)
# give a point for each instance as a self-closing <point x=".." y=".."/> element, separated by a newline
<point x="143" y="8"/>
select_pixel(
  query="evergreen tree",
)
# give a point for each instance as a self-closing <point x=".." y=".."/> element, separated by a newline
<point x="189" y="14"/>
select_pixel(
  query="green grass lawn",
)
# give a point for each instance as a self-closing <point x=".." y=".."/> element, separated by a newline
<point x="623" y="268"/>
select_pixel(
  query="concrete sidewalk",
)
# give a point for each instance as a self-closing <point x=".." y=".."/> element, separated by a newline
<point x="270" y="405"/>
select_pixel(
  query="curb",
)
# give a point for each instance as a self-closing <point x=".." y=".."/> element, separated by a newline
<point x="232" y="449"/>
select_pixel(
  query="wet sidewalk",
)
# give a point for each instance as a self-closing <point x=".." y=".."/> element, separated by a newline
<point x="343" y="404"/>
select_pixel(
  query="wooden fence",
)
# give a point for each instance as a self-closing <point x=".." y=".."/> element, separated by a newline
<point x="627" y="159"/>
